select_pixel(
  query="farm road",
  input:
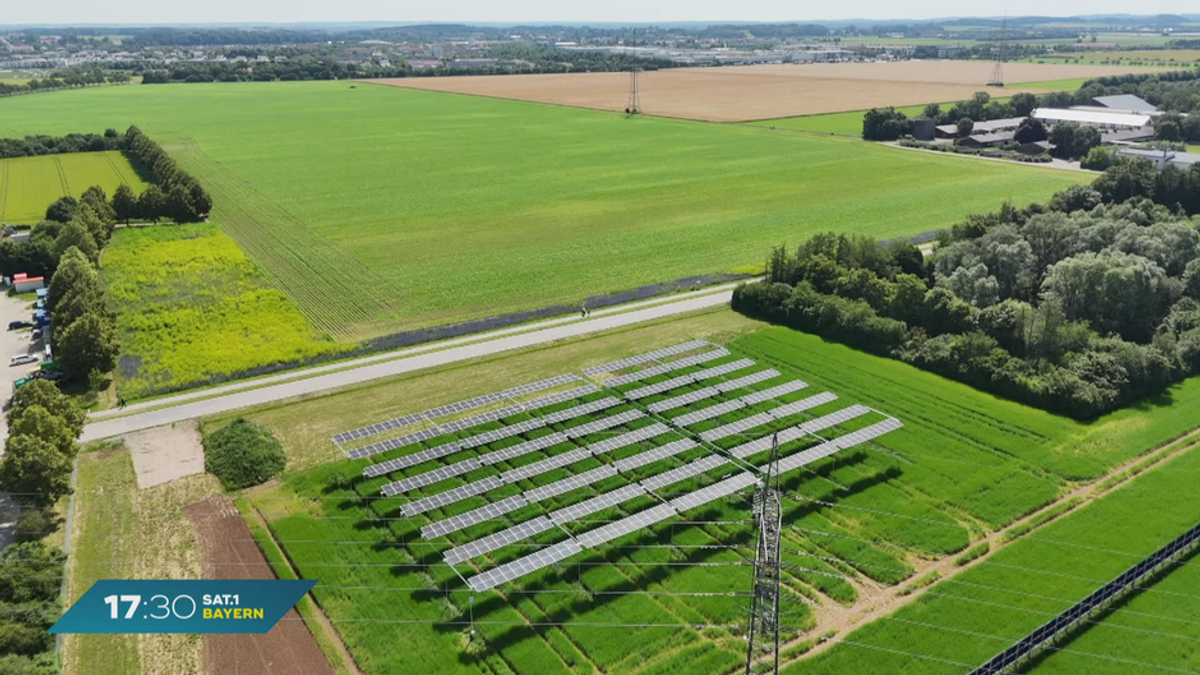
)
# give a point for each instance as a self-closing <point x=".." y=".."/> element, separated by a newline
<point x="242" y="395"/>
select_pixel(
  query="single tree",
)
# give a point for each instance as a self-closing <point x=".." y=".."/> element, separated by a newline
<point x="152" y="204"/>
<point x="180" y="206"/>
<point x="1030" y="130"/>
<point x="933" y="111"/>
<point x="75" y="235"/>
<point x="44" y="394"/>
<point x="40" y="423"/>
<point x="96" y="198"/>
<point x="1168" y="130"/>
<point x="1023" y="104"/>
<point x="63" y="209"/>
<point x="124" y="203"/>
<point x="88" y="343"/>
<point x="74" y="270"/>
<point x="35" y="469"/>
<point x="965" y="126"/>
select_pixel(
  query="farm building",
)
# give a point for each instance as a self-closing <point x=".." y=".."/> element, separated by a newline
<point x="985" y="127"/>
<point x="1100" y="120"/>
<point x="986" y="140"/>
<point x="1124" y="103"/>
<point x="23" y="283"/>
<point x="1162" y="158"/>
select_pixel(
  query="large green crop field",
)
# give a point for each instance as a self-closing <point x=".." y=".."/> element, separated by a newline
<point x="965" y="464"/>
<point x="29" y="184"/>
<point x="377" y="209"/>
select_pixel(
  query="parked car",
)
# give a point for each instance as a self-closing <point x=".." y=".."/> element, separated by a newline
<point x="14" y="325"/>
<point x="36" y="334"/>
<point x="21" y="359"/>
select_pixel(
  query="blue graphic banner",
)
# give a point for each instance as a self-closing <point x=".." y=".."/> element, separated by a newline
<point x="184" y="606"/>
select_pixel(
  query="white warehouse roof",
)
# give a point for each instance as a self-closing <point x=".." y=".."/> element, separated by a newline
<point x="1099" y="119"/>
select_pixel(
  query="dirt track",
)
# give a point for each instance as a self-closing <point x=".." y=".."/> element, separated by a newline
<point x="289" y="649"/>
<point x="741" y="93"/>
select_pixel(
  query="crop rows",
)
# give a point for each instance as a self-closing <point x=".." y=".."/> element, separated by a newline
<point x="29" y="184"/>
<point x="337" y="293"/>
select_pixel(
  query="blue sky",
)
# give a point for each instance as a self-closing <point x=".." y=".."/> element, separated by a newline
<point x="466" y="11"/>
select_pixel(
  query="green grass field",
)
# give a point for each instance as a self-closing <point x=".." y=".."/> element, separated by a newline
<point x="974" y="616"/>
<point x="965" y="463"/>
<point x="1144" y="57"/>
<point x="29" y="184"/>
<point x="436" y="208"/>
<point x="190" y="307"/>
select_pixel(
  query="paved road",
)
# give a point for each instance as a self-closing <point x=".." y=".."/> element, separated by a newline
<point x="107" y="426"/>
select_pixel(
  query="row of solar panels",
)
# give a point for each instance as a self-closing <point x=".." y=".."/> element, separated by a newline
<point x="676" y="382"/>
<point x="645" y="358"/>
<point x="460" y="406"/>
<point x="708" y="392"/>
<point x="643" y="519"/>
<point x="655" y="482"/>
<point x="757" y="397"/>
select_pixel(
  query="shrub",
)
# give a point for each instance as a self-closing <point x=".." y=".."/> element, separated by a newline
<point x="243" y="454"/>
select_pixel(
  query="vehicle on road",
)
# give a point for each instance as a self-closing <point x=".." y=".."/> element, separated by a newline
<point x="15" y="325"/>
<point x="21" y="359"/>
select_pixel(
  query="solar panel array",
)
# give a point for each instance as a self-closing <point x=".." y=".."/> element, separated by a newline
<point x="517" y="532"/>
<point x="643" y="358"/>
<point x="707" y="373"/>
<point x="638" y="521"/>
<point x="441" y="411"/>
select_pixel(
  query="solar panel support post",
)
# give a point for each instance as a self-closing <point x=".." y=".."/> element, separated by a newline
<point x="762" y="641"/>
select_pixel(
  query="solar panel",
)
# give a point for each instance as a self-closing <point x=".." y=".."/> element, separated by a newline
<point x="697" y="376"/>
<point x="628" y="438"/>
<point x="753" y="378"/>
<point x="642" y="358"/>
<point x="393" y="443"/>
<point x="683" y="399"/>
<point x="549" y="464"/>
<point x="522" y="566"/>
<point x="624" y="526"/>
<point x="762" y="418"/>
<point x="581" y="409"/>
<point x="602" y="424"/>
<point x="773" y="392"/>
<point x="520" y="449"/>
<point x="596" y="504"/>
<point x="377" y="428"/>
<point x="666" y="367"/>
<point x="484" y="418"/>
<point x="721" y="488"/>
<point x="686" y="471"/>
<point x="431" y="477"/>
<point x="473" y="517"/>
<point x="570" y="483"/>
<point x="792" y="433"/>
<point x="450" y="496"/>
<point x="708" y="413"/>
<point x="512" y="535"/>
<point x="810" y="455"/>
<point x="654" y="455"/>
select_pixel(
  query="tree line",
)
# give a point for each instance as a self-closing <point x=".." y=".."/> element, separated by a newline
<point x="58" y="145"/>
<point x="43" y="430"/>
<point x="176" y="194"/>
<point x="1079" y="306"/>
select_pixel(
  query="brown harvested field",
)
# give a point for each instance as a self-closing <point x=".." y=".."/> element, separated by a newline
<point x="743" y="93"/>
<point x="289" y="649"/>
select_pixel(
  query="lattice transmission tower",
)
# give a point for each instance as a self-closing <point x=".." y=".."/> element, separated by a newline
<point x="762" y="649"/>
<point x="997" y="78"/>
<point x="635" y="105"/>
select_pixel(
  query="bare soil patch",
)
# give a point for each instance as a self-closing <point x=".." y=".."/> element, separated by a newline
<point x="743" y="93"/>
<point x="162" y="454"/>
<point x="288" y="649"/>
